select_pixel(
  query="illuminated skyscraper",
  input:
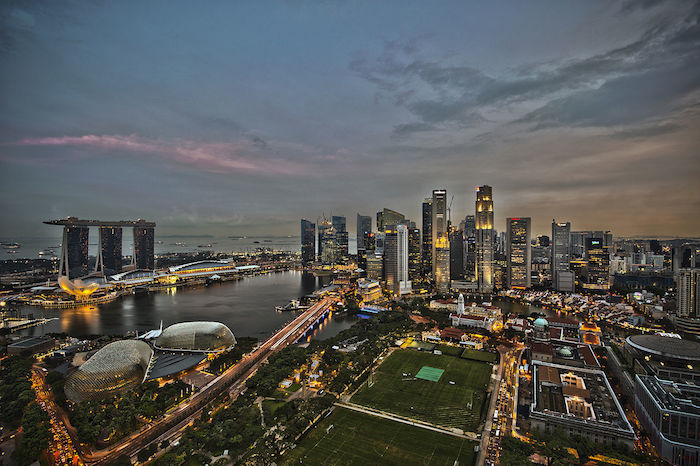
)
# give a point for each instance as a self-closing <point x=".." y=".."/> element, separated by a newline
<point x="396" y="259"/>
<point x="442" y="264"/>
<point x="388" y="217"/>
<point x="561" y="257"/>
<point x="598" y="264"/>
<point x="143" y="248"/>
<point x="518" y="252"/>
<point x="109" y="254"/>
<point x="326" y="242"/>
<point x="308" y="242"/>
<point x="484" y="239"/>
<point x="341" y="239"/>
<point x="364" y="227"/>
<point x="74" y="254"/>
<point x="439" y="222"/>
<point x="427" y="237"/>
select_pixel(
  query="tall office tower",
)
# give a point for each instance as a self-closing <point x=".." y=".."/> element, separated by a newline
<point x="655" y="246"/>
<point x="518" y="252"/>
<point x="598" y="264"/>
<point x="364" y="227"/>
<point x="375" y="266"/>
<point x="379" y="243"/>
<point x="439" y="220"/>
<point x="484" y="239"/>
<point x="341" y="239"/>
<point x="388" y="217"/>
<point x="74" y="253"/>
<point x="109" y="255"/>
<point x="143" y="248"/>
<point x="427" y="238"/>
<point x="456" y="255"/>
<point x="414" y="255"/>
<point x="402" y="259"/>
<point x="688" y="300"/>
<point x="442" y="264"/>
<point x="469" y="248"/>
<point x="391" y="268"/>
<point x="578" y="244"/>
<point x="327" y="248"/>
<point x="308" y="242"/>
<point x="561" y="257"/>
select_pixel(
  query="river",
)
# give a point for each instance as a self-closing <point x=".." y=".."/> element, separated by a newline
<point x="246" y="306"/>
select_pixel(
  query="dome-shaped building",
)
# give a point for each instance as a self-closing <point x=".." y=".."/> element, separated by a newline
<point x="206" y="337"/>
<point x="540" y="329"/>
<point x="114" y="369"/>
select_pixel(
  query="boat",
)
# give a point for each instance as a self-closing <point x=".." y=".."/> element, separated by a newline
<point x="10" y="245"/>
<point x="294" y="305"/>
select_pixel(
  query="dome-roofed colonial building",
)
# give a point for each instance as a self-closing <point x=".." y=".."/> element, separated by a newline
<point x="114" y="369"/>
<point x="196" y="336"/>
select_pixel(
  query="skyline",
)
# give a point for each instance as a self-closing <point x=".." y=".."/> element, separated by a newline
<point x="232" y="120"/>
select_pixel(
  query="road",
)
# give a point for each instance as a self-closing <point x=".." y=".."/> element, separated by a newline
<point x="501" y="415"/>
<point x="61" y="444"/>
<point x="170" y="425"/>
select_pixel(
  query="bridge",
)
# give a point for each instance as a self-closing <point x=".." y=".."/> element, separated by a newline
<point x="232" y="381"/>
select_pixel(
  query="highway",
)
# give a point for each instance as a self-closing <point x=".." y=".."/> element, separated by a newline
<point x="232" y="380"/>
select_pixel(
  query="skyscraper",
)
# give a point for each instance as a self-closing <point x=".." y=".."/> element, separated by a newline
<point x="143" y="248"/>
<point x="469" y="248"/>
<point x="439" y="221"/>
<point x="598" y="264"/>
<point x="403" y="259"/>
<point x="484" y="239"/>
<point x="74" y="256"/>
<point x="308" y="242"/>
<point x="518" y="252"/>
<point x="561" y="257"/>
<point x="364" y="227"/>
<point x="326" y="242"/>
<point x="388" y="217"/>
<point x="414" y="256"/>
<point x="341" y="239"/>
<point x="456" y="255"/>
<point x="109" y="255"/>
<point x="427" y="237"/>
<point x="442" y="264"/>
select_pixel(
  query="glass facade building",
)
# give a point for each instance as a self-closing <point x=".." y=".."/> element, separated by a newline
<point x="308" y="241"/>
<point x="518" y="252"/>
<point x="143" y="248"/>
<point x="484" y="239"/>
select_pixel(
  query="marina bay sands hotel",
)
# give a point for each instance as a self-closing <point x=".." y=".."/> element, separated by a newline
<point x="74" y="247"/>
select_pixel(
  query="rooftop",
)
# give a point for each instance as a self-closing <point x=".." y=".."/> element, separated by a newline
<point x="667" y="347"/>
<point x="549" y="398"/>
<point x="672" y="396"/>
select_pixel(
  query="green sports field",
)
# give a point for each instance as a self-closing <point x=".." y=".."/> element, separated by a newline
<point x="361" y="439"/>
<point x="450" y="405"/>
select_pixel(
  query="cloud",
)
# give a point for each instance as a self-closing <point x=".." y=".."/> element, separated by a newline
<point x="216" y="157"/>
<point x="641" y="77"/>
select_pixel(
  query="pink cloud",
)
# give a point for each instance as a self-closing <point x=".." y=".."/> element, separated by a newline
<point x="218" y="157"/>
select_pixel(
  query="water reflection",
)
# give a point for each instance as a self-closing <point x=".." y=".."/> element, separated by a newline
<point x="247" y="306"/>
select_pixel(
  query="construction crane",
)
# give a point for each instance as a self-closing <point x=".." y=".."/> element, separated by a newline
<point x="449" y="211"/>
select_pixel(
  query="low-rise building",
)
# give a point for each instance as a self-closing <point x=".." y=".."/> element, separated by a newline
<point x="577" y="401"/>
<point x="670" y="413"/>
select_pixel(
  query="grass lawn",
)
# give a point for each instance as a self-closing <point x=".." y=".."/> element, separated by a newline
<point x="479" y="355"/>
<point x="271" y="406"/>
<point x="361" y="439"/>
<point x="438" y="402"/>
<point x="450" y="350"/>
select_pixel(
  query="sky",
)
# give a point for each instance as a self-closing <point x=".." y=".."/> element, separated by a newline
<point x="230" y="118"/>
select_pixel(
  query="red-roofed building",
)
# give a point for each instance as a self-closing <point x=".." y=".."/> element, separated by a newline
<point x="451" y="334"/>
<point x="541" y="352"/>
